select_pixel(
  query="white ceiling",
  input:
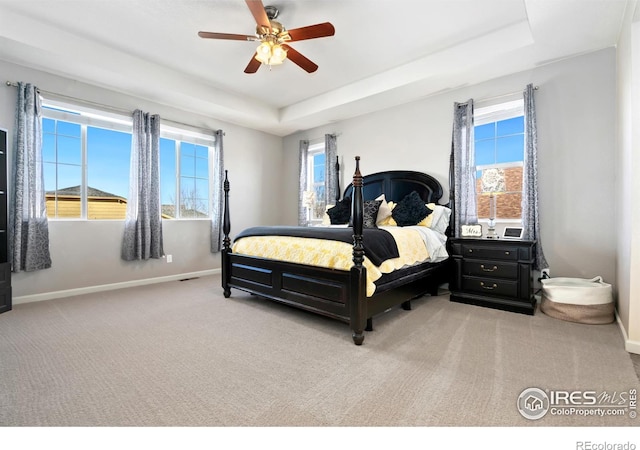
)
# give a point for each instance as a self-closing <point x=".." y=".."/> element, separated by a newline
<point x="384" y="52"/>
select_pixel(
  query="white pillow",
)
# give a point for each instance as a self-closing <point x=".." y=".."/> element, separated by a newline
<point x="326" y="220"/>
<point x="441" y="216"/>
<point x="384" y="211"/>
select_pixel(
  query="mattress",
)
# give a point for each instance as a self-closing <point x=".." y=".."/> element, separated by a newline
<point x="416" y="245"/>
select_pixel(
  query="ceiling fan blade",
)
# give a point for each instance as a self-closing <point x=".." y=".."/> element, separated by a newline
<point x="253" y="65"/>
<point x="229" y="36"/>
<point x="257" y="9"/>
<point x="312" y="32"/>
<point x="302" y="61"/>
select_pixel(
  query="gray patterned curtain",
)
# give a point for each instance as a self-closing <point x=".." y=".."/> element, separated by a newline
<point x="330" y="152"/>
<point x="217" y="179"/>
<point x="29" y="228"/>
<point x="302" y="186"/>
<point x="143" y="225"/>
<point x="463" y="167"/>
<point x="530" y="217"/>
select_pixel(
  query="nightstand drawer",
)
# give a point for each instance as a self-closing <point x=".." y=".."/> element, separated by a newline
<point x="490" y="286"/>
<point x="496" y="269"/>
<point x="493" y="252"/>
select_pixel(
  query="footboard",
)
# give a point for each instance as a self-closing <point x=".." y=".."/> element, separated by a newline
<point x="334" y="293"/>
<point x="324" y="291"/>
<point x="339" y="294"/>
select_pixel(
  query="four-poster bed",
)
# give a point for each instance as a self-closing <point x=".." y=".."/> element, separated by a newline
<point x="342" y="294"/>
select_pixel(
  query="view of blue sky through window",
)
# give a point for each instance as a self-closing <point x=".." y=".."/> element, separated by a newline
<point x="316" y="180"/>
<point x="499" y="153"/>
<point x="108" y="170"/>
<point x="499" y="142"/>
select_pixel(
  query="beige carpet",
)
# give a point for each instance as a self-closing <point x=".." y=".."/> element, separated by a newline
<point x="179" y="354"/>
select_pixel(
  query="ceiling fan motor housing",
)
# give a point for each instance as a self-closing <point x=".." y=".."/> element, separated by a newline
<point x="272" y="12"/>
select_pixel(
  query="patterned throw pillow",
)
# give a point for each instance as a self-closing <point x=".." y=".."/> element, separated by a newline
<point x="410" y="210"/>
<point x="340" y="214"/>
<point x="370" y="214"/>
<point x="370" y="217"/>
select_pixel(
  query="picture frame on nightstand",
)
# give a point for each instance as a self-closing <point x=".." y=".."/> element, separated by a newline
<point x="513" y="233"/>
<point x="474" y="230"/>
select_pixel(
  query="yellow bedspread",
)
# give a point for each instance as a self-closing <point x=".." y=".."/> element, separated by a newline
<point x="334" y="254"/>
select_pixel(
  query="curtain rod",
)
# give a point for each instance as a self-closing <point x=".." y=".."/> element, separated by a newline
<point x="486" y="99"/>
<point x="107" y="107"/>
<point x="321" y="139"/>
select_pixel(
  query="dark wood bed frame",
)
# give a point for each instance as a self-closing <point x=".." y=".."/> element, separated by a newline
<point x="334" y="293"/>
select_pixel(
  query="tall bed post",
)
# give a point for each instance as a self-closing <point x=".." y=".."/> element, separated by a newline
<point x="226" y="242"/>
<point x="358" y="296"/>
<point x="338" y="179"/>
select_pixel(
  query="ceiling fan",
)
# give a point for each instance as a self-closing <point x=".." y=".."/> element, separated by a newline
<point x="274" y="38"/>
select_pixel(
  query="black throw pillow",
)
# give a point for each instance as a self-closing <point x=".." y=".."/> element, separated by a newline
<point x="340" y="214"/>
<point x="410" y="210"/>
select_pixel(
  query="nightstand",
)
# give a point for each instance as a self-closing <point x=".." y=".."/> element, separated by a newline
<point x="493" y="272"/>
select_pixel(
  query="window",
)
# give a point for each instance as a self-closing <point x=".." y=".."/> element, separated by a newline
<point x="316" y="173"/>
<point x="499" y="156"/>
<point x="86" y="158"/>
<point x="86" y="165"/>
<point x="184" y="175"/>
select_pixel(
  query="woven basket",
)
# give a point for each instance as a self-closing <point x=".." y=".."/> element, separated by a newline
<point x="578" y="300"/>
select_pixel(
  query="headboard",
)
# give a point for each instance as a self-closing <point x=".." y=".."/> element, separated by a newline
<point x="396" y="184"/>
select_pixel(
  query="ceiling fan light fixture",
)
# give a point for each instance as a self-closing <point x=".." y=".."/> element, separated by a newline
<point x="270" y="53"/>
<point x="278" y="54"/>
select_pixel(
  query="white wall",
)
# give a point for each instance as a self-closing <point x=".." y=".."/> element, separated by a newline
<point x="577" y="163"/>
<point x="576" y="147"/>
<point x="628" y="178"/>
<point x="87" y="253"/>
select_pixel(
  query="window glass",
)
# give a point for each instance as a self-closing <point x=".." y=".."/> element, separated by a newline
<point x="499" y="155"/>
<point x="316" y="183"/>
<point x="510" y="149"/>
<point x="68" y="129"/>
<point x="194" y="180"/>
<point x="48" y="126"/>
<point x="484" y="131"/>
<point x="86" y="161"/>
<point x="168" y="180"/>
<point x="510" y="126"/>
<point x="485" y="152"/>
<point x="108" y="168"/>
<point x="62" y="164"/>
<point x="68" y="150"/>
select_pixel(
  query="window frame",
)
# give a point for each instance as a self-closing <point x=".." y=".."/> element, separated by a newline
<point x="496" y="112"/>
<point x="313" y="150"/>
<point x="117" y="121"/>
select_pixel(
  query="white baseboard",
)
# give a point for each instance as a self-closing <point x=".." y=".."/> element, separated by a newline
<point x="629" y="345"/>
<point x="109" y="287"/>
<point x="632" y="346"/>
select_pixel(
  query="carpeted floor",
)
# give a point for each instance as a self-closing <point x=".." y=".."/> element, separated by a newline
<point x="179" y="354"/>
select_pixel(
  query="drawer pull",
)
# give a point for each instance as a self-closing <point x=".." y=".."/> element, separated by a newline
<point x="490" y="269"/>
<point x="488" y="287"/>
<point x="507" y="253"/>
<point x="470" y="250"/>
